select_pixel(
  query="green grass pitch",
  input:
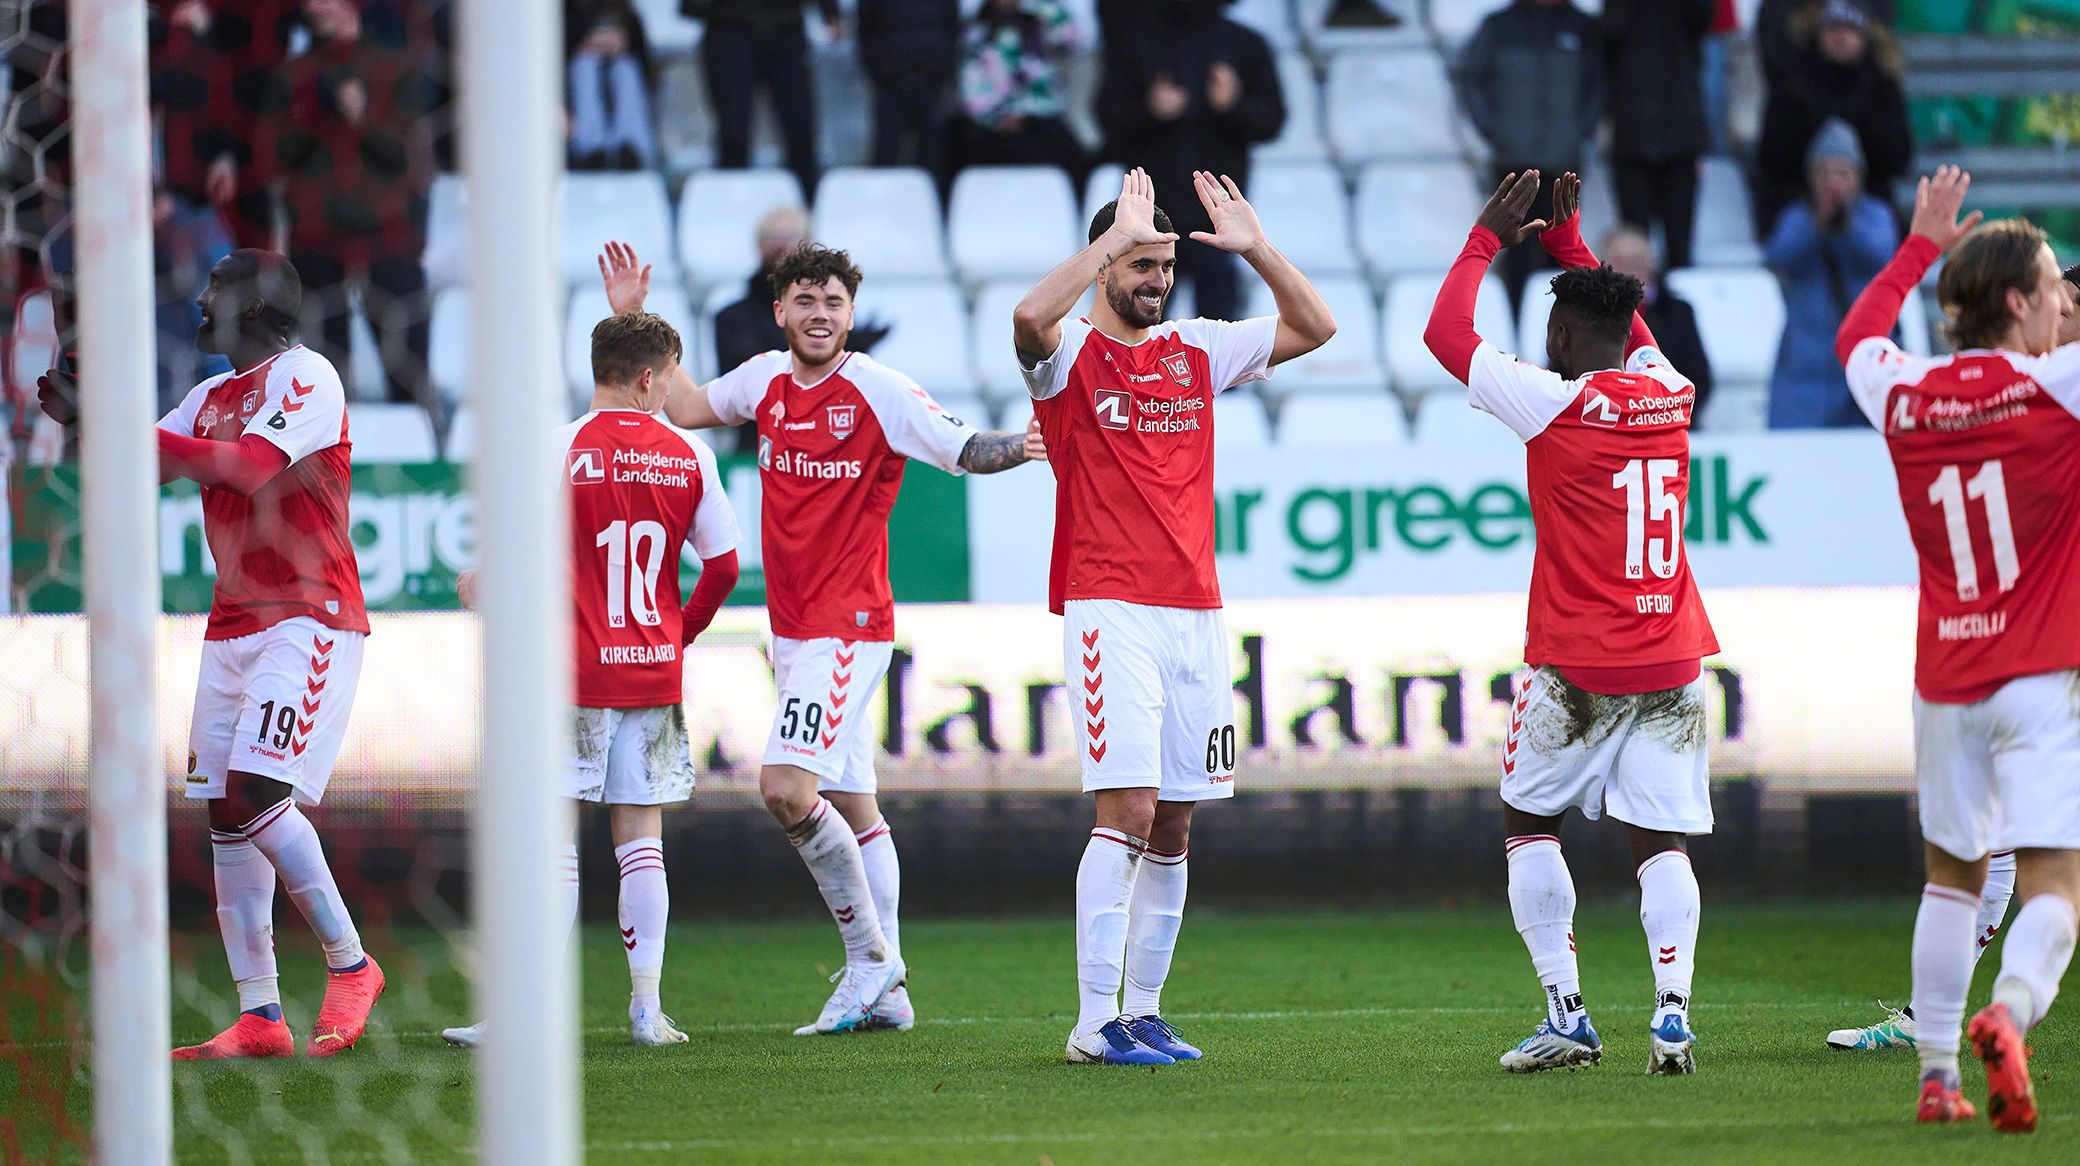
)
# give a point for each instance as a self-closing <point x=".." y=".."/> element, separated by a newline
<point x="1330" y="1038"/>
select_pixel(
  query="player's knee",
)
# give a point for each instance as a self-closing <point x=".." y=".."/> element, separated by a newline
<point x="787" y="799"/>
<point x="246" y="795"/>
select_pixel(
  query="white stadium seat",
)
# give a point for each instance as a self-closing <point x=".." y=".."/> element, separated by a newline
<point x="1913" y="324"/>
<point x="462" y="434"/>
<point x="383" y="433"/>
<point x="1407" y="313"/>
<point x="927" y="323"/>
<point x="1301" y="136"/>
<point x="1735" y="408"/>
<point x="1273" y="19"/>
<point x="989" y="337"/>
<point x="1240" y="422"/>
<point x="1343" y="421"/>
<point x="1391" y="105"/>
<point x="32" y="343"/>
<point x="1305" y="208"/>
<point x="446" y="257"/>
<point x="448" y="342"/>
<point x="588" y="307"/>
<point x="1101" y="187"/>
<point x="667" y="30"/>
<point x="888" y="219"/>
<point x="1448" y="421"/>
<point x="1534" y="307"/>
<point x="1725" y="232"/>
<point x="718" y="221"/>
<point x="1414" y="216"/>
<point x="1349" y="362"/>
<point x="632" y="208"/>
<point x="1740" y="315"/>
<point x="988" y="200"/>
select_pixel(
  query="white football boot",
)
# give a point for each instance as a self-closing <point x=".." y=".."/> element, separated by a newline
<point x="652" y="1028"/>
<point x="466" y="1037"/>
<point x="860" y="987"/>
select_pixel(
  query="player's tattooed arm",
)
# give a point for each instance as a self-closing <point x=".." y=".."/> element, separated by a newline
<point x="995" y="452"/>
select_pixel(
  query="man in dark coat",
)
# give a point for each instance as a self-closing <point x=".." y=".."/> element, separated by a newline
<point x="1653" y="64"/>
<point x="908" y="49"/>
<point x="759" y="44"/>
<point x="1668" y="316"/>
<point x="1188" y="89"/>
<point x="1841" y="74"/>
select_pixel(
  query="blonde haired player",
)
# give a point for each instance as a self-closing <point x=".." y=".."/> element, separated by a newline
<point x="639" y="491"/>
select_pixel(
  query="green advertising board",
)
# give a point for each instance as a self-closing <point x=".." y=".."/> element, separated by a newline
<point x="414" y="529"/>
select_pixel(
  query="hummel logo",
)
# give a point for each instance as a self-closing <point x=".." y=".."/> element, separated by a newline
<point x="628" y="938"/>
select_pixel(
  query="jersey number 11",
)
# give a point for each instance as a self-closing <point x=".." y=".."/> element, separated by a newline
<point x="1950" y="491"/>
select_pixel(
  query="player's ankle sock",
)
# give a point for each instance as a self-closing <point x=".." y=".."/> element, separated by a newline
<point x="1541" y="899"/>
<point x="290" y="842"/>
<point x="645" y="902"/>
<point x="877" y="853"/>
<point x="263" y="1011"/>
<point x="1154" y="915"/>
<point x="1668" y="910"/>
<point x="1993" y="899"/>
<point x="1942" y="973"/>
<point x="2034" y="958"/>
<point x="1104" y="887"/>
<point x="831" y="853"/>
<point x="567" y="886"/>
<point x="245" y="918"/>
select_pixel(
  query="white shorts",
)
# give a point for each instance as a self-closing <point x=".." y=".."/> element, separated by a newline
<point x="2002" y="773"/>
<point x="273" y="704"/>
<point x="630" y="757"/>
<point x="1153" y="697"/>
<point x="821" y="725"/>
<point x="1640" y="757"/>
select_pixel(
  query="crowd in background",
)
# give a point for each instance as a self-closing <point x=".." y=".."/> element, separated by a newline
<point x="316" y="126"/>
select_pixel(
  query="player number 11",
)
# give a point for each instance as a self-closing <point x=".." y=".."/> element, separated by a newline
<point x="635" y="558"/>
<point x="1950" y="491"/>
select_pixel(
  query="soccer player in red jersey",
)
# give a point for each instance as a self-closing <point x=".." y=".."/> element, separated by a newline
<point x="282" y="654"/>
<point x="1125" y="403"/>
<point x="1982" y="441"/>
<point x="835" y="431"/>
<point x="1609" y="714"/>
<point x="639" y="491"/>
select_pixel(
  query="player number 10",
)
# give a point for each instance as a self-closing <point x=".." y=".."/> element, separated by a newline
<point x="1950" y="491"/>
<point x="635" y="558"/>
<point x="1648" y="499"/>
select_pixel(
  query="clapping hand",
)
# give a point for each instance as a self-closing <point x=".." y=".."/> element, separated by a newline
<point x="1504" y="214"/>
<point x="1235" y="225"/>
<point x="1937" y="199"/>
<point x="626" y="277"/>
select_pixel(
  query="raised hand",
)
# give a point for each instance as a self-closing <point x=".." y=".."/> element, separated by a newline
<point x="57" y="394"/>
<point x="1235" y="225"/>
<point x="1504" y="213"/>
<point x="1937" y="199"/>
<point x="1036" y="449"/>
<point x="627" y="278"/>
<point x="1567" y="197"/>
<point x="1135" y="216"/>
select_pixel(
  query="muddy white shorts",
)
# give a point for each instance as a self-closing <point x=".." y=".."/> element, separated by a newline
<point x="822" y="724"/>
<point x="273" y="704"/>
<point x="1152" y="695"/>
<point x="2002" y="773"/>
<point x="630" y="757"/>
<point x="1642" y="758"/>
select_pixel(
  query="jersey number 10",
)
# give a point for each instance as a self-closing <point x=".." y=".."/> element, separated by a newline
<point x="635" y="558"/>
<point x="1648" y="499"/>
<point x="1950" y="491"/>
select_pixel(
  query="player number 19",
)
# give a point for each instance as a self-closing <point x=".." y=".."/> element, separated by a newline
<point x="635" y="557"/>
<point x="1648" y="499"/>
<point x="1950" y="491"/>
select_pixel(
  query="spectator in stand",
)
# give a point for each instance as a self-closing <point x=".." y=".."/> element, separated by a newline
<point x="342" y="137"/>
<point x="1011" y="101"/>
<point x="1530" y="81"/>
<point x="191" y="107"/>
<point x="1668" y="315"/>
<point x="746" y="328"/>
<point x="1187" y="89"/>
<point x="251" y="39"/>
<point x="759" y="44"/>
<point x="609" y="87"/>
<point x="908" y="49"/>
<point x="1726" y="22"/>
<point x="1653" y="63"/>
<point x="1782" y="26"/>
<point x="1849" y="70"/>
<point x="1825" y="249"/>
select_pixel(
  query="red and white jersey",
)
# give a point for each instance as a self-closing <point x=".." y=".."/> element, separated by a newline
<point x="1129" y="432"/>
<point x="1987" y="449"/>
<point x="639" y="490"/>
<point x="284" y="551"/>
<point x="830" y="462"/>
<point x="1607" y="460"/>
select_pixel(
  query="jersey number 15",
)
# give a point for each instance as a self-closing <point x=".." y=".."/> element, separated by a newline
<point x="1649" y="500"/>
<point x="635" y="558"/>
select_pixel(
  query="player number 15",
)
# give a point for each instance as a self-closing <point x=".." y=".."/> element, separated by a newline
<point x="1649" y="500"/>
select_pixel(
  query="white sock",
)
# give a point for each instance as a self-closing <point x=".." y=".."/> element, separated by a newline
<point x="1541" y="899"/>
<point x="1668" y="910"/>
<point x="645" y="902"/>
<point x="1942" y="973"/>
<point x="245" y="917"/>
<point x="831" y="853"/>
<point x="1993" y="898"/>
<point x="567" y="887"/>
<point x="877" y="853"/>
<point x="2034" y="959"/>
<point x="1104" y="887"/>
<point x="1153" y="918"/>
<point x="290" y="842"/>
